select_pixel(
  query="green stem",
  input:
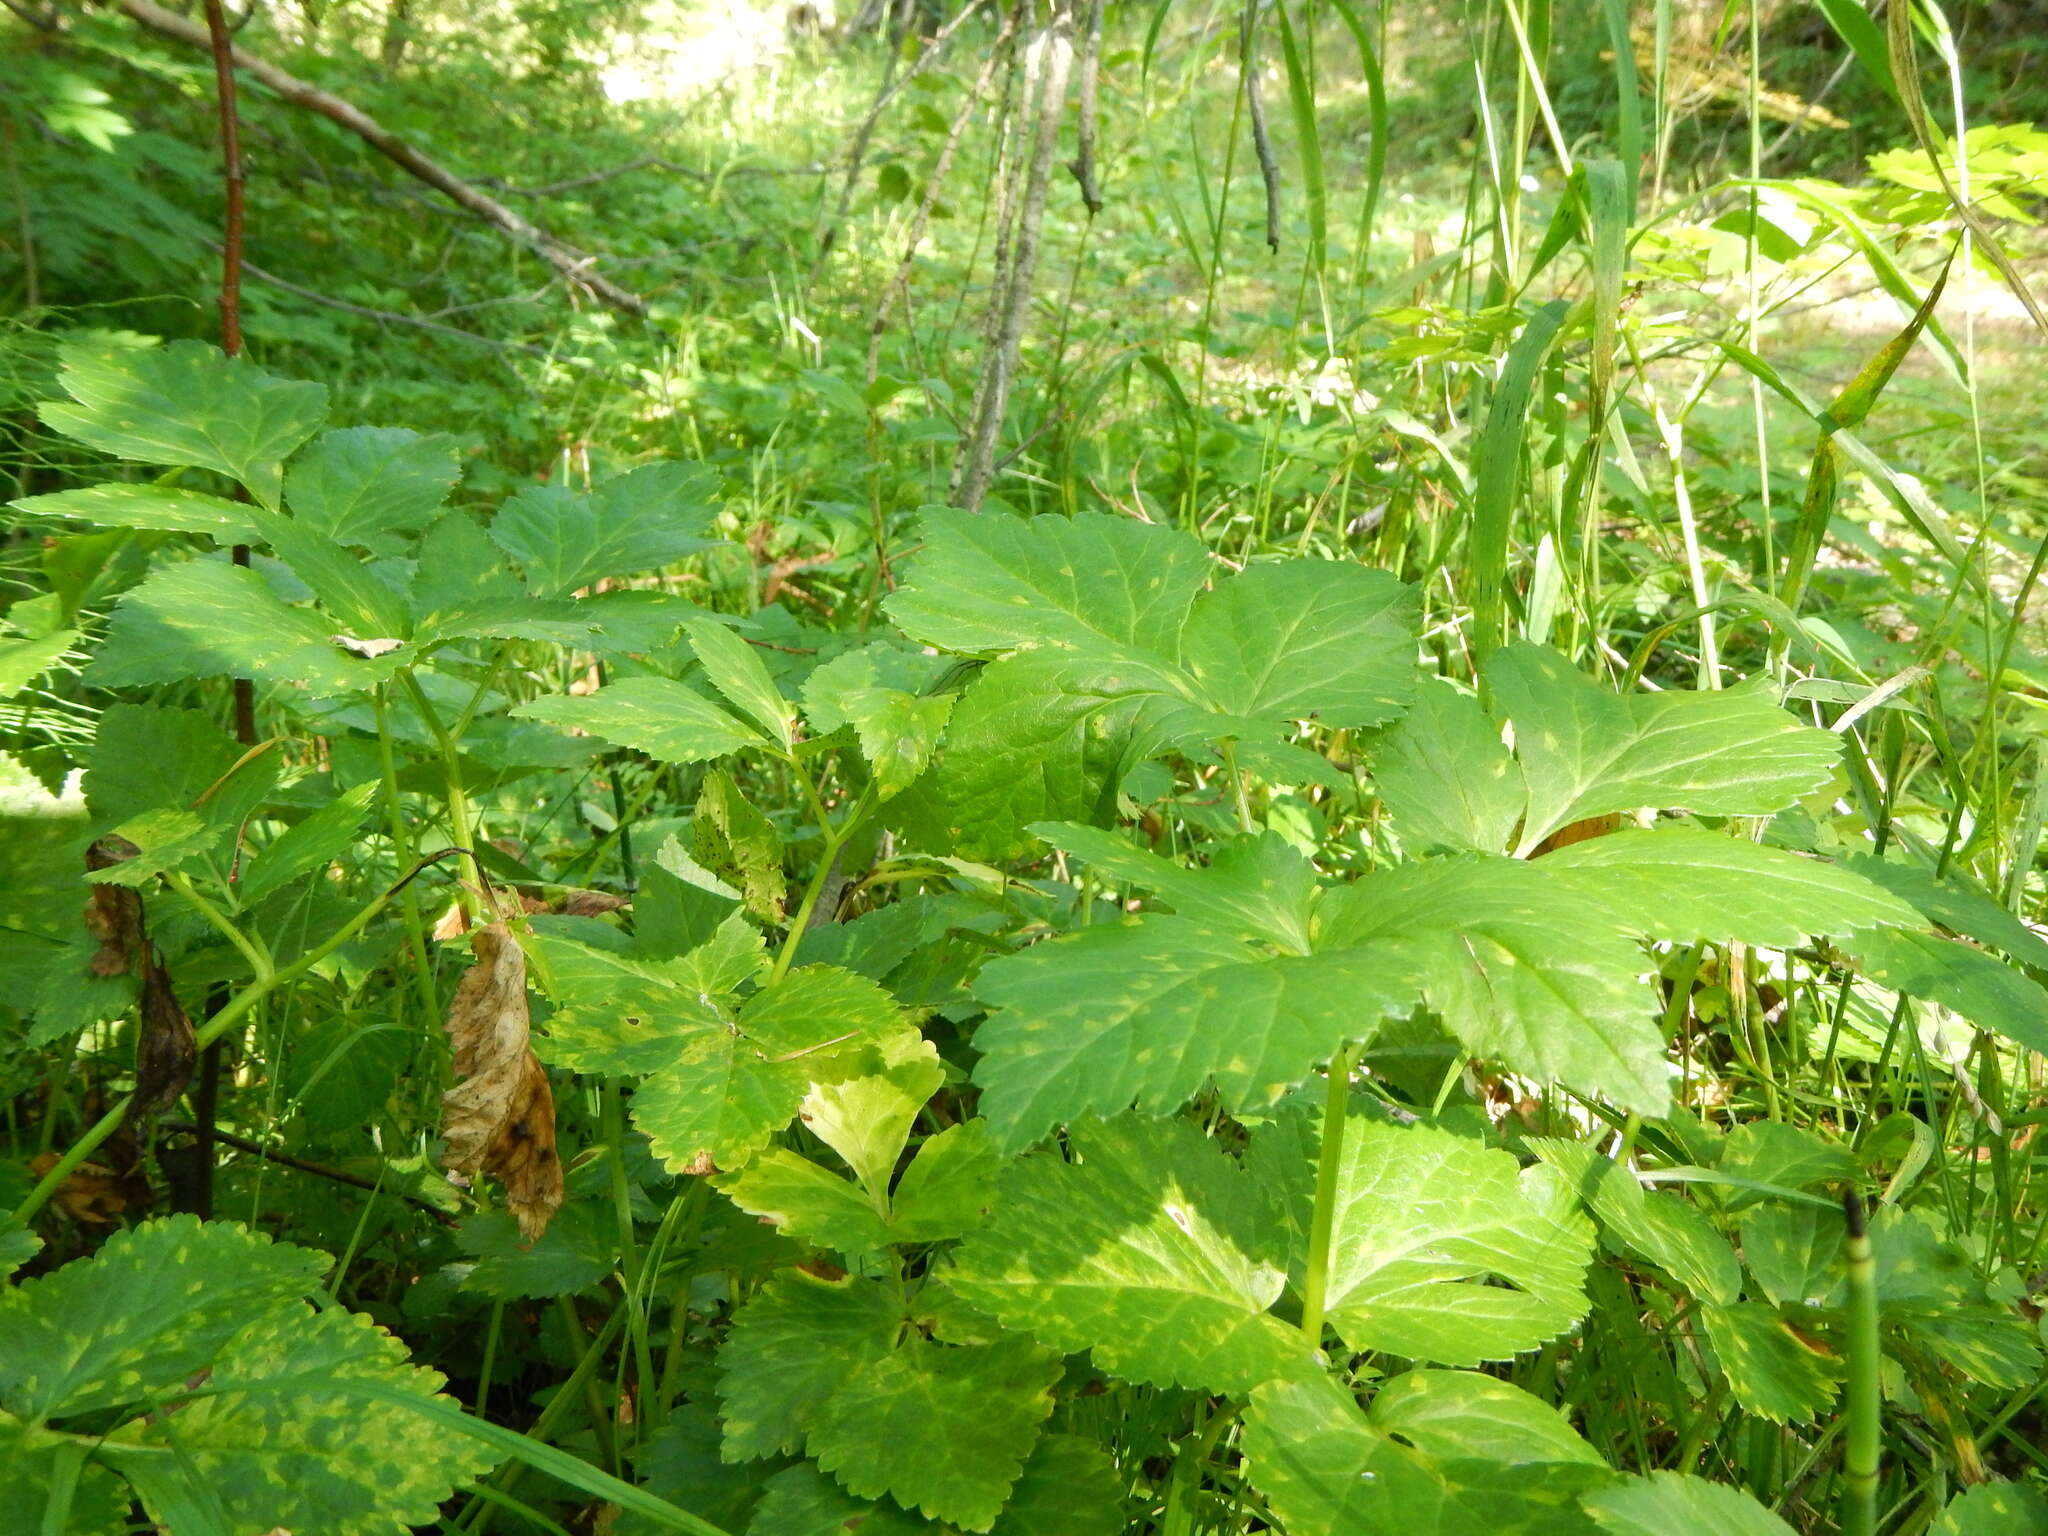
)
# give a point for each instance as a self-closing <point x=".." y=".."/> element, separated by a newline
<point x="836" y="838"/>
<point x="252" y="950"/>
<point x="402" y="843"/>
<point x="209" y="1032"/>
<point x="460" y="825"/>
<point x="630" y="1258"/>
<point x="1323" y="1220"/>
<point x="1862" y="1441"/>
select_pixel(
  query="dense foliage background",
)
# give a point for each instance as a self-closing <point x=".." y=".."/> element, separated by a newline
<point x="1042" y="768"/>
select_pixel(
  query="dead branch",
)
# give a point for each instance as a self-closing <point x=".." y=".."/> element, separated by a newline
<point x="577" y="266"/>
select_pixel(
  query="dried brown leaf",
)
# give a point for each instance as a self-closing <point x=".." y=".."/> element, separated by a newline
<point x="500" y="1118"/>
<point x="166" y="1050"/>
<point x="113" y="913"/>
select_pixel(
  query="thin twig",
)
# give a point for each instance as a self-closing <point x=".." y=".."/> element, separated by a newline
<point x="306" y="1165"/>
<point x="367" y="313"/>
<point x="1083" y="164"/>
<point x="1262" y="144"/>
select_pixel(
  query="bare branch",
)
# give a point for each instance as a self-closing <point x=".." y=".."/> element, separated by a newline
<point x="577" y="266"/>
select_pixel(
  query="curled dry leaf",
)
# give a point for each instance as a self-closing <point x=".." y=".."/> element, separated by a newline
<point x="113" y="913"/>
<point x="500" y="1118"/>
<point x="166" y="1049"/>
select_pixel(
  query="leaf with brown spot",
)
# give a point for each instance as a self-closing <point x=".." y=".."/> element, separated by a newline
<point x="166" y="1050"/>
<point x="500" y="1118"/>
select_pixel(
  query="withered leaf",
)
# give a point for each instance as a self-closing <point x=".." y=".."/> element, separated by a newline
<point x="165" y="1047"/>
<point x="113" y="913"/>
<point x="500" y="1117"/>
<point x="166" y="1050"/>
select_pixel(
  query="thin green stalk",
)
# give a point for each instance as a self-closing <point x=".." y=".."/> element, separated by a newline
<point x="402" y="844"/>
<point x="613" y="1118"/>
<point x="1862" y="1440"/>
<point x="1323" y="1219"/>
<point x="460" y="825"/>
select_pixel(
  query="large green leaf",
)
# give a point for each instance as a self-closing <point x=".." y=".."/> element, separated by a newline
<point x="1255" y="887"/>
<point x="1671" y="1503"/>
<point x="1991" y="1509"/>
<point x="1984" y="989"/>
<point x="991" y="582"/>
<point x="207" y="618"/>
<point x="1153" y="1250"/>
<point x="1446" y="776"/>
<point x="1585" y="751"/>
<point x="1443" y="1250"/>
<point x="644" y="519"/>
<point x="281" y="1442"/>
<point x="937" y="1428"/>
<point x="184" y="404"/>
<point x="668" y="721"/>
<point x="1152" y="1009"/>
<point x="1772" y="1371"/>
<point x="790" y="1347"/>
<point x="1112" y="658"/>
<point x="1958" y="907"/>
<point x="802" y="1501"/>
<point x="1523" y="969"/>
<point x="362" y="485"/>
<point x="739" y="676"/>
<point x="1662" y="1228"/>
<point x="154" y="1305"/>
<point x="1328" y="1469"/>
<point x="174" y="509"/>
<point x="1304" y="640"/>
<point x="1687" y="883"/>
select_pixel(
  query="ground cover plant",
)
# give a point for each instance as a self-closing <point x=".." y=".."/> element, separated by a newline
<point x="1030" y="769"/>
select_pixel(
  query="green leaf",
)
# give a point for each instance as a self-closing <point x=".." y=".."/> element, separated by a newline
<point x="154" y="1305"/>
<point x="100" y="1502"/>
<point x="1069" y="1487"/>
<point x="1305" y="640"/>
<point x="1665" y="1503"/>
<point x="1792" y="1251"/>
<point x="866" y="1119"/>
<point x="897" y="733"/>
<point x="276" y="1437"/>
<point x="1327" y="1469"/>
<point x="656" y="715"/>
<point x="1041" y="736"/>
<point x="1154" y="1251"/>
<point x="184" y="404"/>
<point x="145" y="757"/>
<point x="1772" y="1152"/>
<point x="1586" y="752"/>
<point x="311" y="844"/>
<point x="571" y="1255"/>
<point x="1153" y="1009"/>
<point x="1982" y="988"/>
<point x="1523" y="969"/>
<point x="1661" y="1228"/>
<point x="1993" y="1509"/>
<point x="23" y="661"/>
<point x="728" y="1087"/>
<point x="17" y="1246"/>
<point x="949" y="1187"/>
<point x="164" y="839"/>
<point x="207" y="618"/>
<point x="737" y="673"/>
<point x="1772" y="1371"/>
<point x="1687" y="883"/>
<point x="790" y="1348"/>
<point x="1958" y="907"/>
<point x="1255" y="887"/>
<point x="1443" y="1250"/>
<point x="941" y="1429"/>
<point x="1461" y="1415"/>
<point x="355" y="593"/>
<point x="990" y="582"/>
<point x="361" y="485"/>
<point x="806" y="1201"/>
<point x="802" y="1501"/>
<point x="644" y="519"/>
<point x="170" y="508"/>
<point x="1446" y="776"/>
<point x="739" y="845"/>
